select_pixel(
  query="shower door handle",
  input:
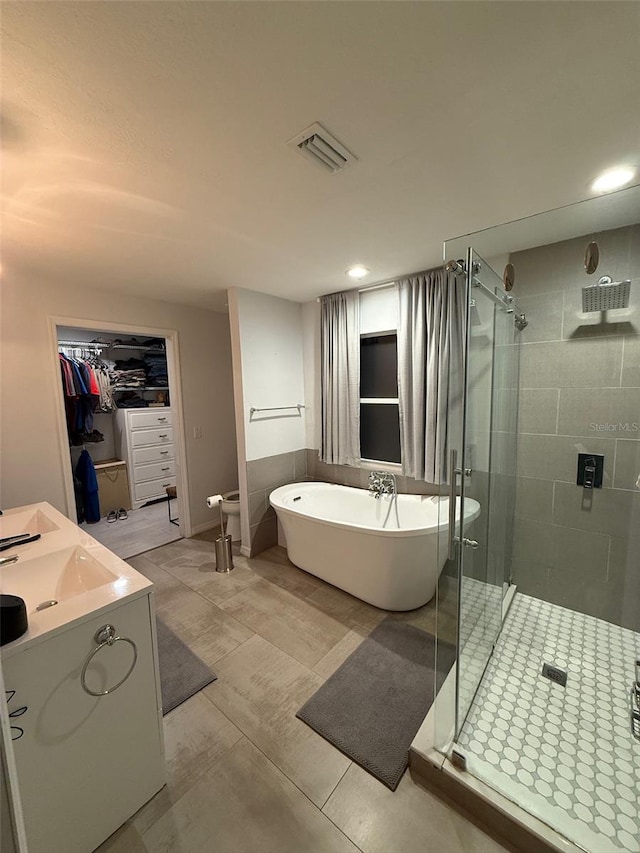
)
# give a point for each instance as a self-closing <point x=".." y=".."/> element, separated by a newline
<point x="453" y="477"/>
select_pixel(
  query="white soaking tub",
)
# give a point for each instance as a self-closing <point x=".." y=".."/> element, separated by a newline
<point x="387" y="551"/>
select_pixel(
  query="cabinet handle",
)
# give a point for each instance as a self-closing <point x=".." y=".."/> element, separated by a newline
<point x="164" y="485"/>
<point x="106" y="636"/>
<point x="164" y="452"/>
<point x="163" y="435"/>
<point x="162" y="419"/>
<point x="164" y="469"/>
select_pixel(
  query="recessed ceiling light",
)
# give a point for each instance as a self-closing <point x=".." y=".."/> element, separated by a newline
<point x="613" y="179"/>
<point x="358" y="271"/>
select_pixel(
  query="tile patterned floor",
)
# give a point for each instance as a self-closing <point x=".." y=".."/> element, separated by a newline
<point x="480" y="620"/>
<point x="246" y="776"/>
<point x="565" y="754"/>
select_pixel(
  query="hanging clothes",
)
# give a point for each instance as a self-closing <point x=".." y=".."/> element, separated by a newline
<point x="104" y="388"/>
<point x="82" y="397"/>
<point x="86" y="474"/>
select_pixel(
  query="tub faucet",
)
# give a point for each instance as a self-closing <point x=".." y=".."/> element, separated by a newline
<point x="382" y="483"/>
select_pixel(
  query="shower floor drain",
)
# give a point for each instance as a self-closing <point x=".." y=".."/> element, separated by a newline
<point x="554" y="673"/>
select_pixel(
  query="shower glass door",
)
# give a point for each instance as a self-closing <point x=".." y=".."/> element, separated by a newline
<point x="487" y="475"/>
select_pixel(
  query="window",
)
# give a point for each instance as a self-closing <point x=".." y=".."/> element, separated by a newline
<point x="379" y="414"/>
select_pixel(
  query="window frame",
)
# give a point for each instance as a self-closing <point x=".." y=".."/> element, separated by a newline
<point x="380" y="464"/>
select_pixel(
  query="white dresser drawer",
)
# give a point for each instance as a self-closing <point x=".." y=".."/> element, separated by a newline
<point x="150" y="418"/>
<point x="145" y="437"/>
<point x="153" y="454"/>
<point x="142" y="473"/>
<point x="153" y="489"/>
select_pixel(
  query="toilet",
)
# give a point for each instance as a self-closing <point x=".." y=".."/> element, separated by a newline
<point x="231" y="508"/>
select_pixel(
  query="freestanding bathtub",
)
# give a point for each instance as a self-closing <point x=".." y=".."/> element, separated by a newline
<point x="388" y="552"/>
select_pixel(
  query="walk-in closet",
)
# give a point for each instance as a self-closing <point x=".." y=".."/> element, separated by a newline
<point x="122" y="437"/>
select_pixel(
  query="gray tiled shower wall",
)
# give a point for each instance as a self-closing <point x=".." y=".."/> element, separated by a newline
<point x="266" y="474"/>
<point x="579" y="392"/>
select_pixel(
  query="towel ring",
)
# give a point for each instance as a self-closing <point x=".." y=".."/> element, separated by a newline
<point x="106" y="636"/>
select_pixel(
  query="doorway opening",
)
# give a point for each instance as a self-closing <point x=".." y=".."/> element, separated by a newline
<point x="122" y="435"/>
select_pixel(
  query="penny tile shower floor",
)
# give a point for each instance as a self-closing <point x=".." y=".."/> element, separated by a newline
<point x="567" y="755"/>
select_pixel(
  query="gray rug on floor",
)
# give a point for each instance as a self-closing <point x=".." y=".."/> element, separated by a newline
<point x="181" y="672"/>
<point x="373" y="705"/>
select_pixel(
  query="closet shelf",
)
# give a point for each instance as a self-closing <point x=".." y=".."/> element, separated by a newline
<point x="136" y="347"/>
<point x="101" y="345"/>
<point x="140" y="388"/>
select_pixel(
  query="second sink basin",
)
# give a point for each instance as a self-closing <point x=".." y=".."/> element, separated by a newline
<point x="12" y="524"/>
<point x="57" y="576"/>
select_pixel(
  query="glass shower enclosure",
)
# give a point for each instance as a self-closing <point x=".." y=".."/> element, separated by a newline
<point x="541" y="593"/>
<point x="486" y="473"/>
<point x="482" y="476"/>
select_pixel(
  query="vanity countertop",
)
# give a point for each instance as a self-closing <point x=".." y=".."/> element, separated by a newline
<point x="67" y="565"/>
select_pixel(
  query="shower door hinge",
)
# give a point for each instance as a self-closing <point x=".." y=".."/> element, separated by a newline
<point x="458" y="759"/>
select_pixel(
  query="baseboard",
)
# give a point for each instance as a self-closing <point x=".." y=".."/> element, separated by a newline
<point x="245" y="551"/>
<point x="201" y="528"/>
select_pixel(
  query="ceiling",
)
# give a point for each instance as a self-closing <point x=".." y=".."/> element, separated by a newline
<point x="144" y="143"/>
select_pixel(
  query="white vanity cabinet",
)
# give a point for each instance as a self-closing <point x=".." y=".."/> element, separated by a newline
<point x="144" y="438"/>
<point x="86" y="763"/>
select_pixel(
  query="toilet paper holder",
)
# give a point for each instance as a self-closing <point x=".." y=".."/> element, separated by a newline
<point x="223" y="544"/>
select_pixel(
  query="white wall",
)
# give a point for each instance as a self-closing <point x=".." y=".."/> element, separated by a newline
<point x="312" y="366"/>
<point x="31" y="462"/>
<point x="378" y="310"/>
<point x="271" y="359"/>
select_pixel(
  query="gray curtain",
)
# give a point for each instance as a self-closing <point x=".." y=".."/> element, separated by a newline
<point x="340" y="340"/>
<point x="430" y="372"/>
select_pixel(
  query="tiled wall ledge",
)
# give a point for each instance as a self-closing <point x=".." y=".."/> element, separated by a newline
<point x="266" y="474"/>
<point x="347" y="475"/>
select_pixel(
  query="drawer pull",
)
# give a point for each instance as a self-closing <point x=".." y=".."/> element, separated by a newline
<point x="163" y="435"/>
<point x="162" y="419"/>
<point x="164" y="485"/>
<point x="106" y="636"/>
<point x="164" y="452"/>
<point x="164" y="469"/>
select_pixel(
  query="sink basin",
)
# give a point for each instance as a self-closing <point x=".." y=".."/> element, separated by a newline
<point x="66" y="566"/>
<point x="58" y="576"/>
<point x="12" y="524"/>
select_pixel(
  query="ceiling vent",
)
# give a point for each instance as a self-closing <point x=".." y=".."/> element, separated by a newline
<point x="322" y="148"/>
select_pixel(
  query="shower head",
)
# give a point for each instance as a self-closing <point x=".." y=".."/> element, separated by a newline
<point x="605" y="295"/>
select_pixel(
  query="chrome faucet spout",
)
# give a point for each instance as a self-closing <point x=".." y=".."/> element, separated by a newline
<point x="382" y="483"/>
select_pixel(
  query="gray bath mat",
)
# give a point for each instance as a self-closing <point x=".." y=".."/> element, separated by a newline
<point x="181" y="672"/>
<point x="373" y="705"/>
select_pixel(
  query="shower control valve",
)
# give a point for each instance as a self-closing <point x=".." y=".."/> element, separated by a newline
<point x="590" y="470"/>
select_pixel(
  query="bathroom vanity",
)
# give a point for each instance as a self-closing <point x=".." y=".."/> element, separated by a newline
<point x="82" y="684"/>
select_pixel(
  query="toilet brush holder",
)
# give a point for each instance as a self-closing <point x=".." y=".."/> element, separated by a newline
<point x="224" y="554"/>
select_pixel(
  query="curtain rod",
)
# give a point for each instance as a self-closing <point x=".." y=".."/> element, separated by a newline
<point x="387" y="282"/>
